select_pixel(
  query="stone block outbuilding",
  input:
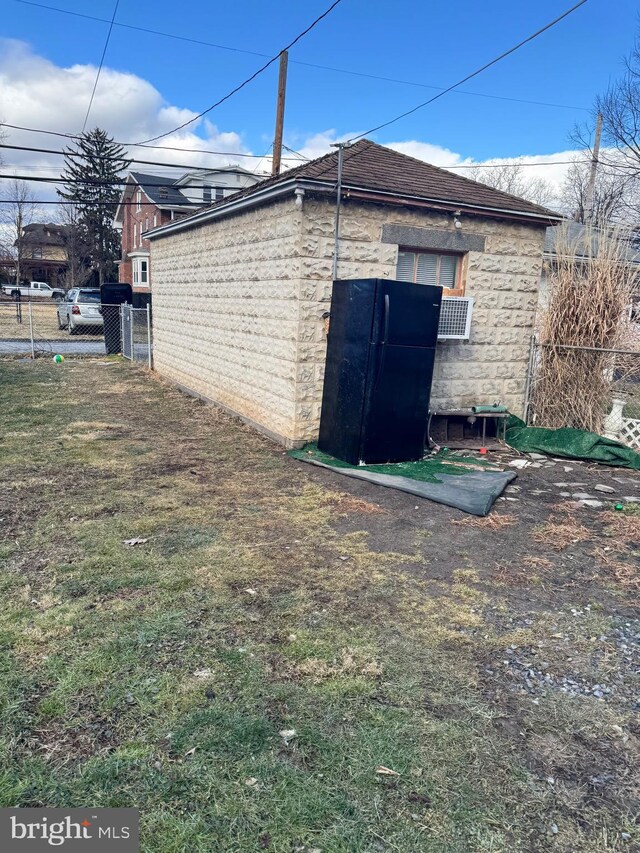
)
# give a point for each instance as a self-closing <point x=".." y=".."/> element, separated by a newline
<point x="241" y="287"/>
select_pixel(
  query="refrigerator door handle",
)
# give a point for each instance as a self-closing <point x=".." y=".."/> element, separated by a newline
<point x="383" y="342"/>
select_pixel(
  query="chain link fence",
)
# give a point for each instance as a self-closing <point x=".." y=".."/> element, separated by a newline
<point x="31" y="329"/>
<point x="586" y="388"/>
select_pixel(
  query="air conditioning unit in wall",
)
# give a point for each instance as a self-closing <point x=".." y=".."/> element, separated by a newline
<point x="455" y="318"/>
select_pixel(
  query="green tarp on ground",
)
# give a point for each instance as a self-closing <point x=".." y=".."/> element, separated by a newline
<point x="571" y="444"/>
<point x="437" y="478"/>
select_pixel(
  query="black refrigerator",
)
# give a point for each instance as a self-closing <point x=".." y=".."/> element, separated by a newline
<point x="379" y="367"/>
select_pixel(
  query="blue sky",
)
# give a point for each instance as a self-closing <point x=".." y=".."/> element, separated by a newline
<point x="426" y="42"/>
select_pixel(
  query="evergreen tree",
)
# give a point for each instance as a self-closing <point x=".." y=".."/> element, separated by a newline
<point x="93" y="177"/>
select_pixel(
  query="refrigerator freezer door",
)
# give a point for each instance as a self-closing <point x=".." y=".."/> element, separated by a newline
<point x="406" y="314"/>
<point x="397" y="407"/>
<point x="346" y="369"/>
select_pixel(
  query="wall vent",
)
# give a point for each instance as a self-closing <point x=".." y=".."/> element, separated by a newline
<point x="455" y="318"/>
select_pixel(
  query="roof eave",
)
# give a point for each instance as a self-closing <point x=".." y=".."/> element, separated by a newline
<point x="349" y="191"/>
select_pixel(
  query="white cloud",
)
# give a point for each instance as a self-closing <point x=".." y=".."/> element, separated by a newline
<point x="35" y="92"/>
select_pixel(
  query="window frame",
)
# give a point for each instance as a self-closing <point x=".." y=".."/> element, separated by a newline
<point x="207" y="194"/>
<point x="138" y="271"/>
<point x="139" y="200"/>
<point x="460" y="259"/>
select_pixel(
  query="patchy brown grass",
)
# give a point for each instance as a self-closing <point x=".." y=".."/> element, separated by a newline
<point x="622" y="527"/>
<point x="349" y="504"/>
<point x="489" y="522"/>
<point x="267" y="599"/>
<point x="626" y="575"/>
<point x="559" y="533"/>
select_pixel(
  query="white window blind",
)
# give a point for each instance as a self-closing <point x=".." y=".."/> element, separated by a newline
<point x="428" y="268"/>
<point x="406" y="266"/>
<point x="447" y="272"/>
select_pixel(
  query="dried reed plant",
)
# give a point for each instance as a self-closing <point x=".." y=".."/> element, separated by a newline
<point x="590" y="287"/>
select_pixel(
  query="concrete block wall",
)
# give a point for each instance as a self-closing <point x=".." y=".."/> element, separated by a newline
<point x="503" y="279"/>
<point x="225" y="313"/>
<point x="238" y="307"/>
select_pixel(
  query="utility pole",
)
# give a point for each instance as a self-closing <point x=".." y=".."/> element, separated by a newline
<point x="282" y="90"/>
<point x="591" y="185"/>
<point x="336" y="248"/>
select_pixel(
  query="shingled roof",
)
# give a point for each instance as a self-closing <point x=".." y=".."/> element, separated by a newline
<point x="161" y="191"/>
<point x="370" y="166"/>
<point x="374" y="169"/>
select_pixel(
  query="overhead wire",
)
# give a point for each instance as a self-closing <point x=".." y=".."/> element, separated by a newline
<point x="248" y="79"/>
<point x="133" y="159"/>
<point x="76" y="136"/>
<point x="45" y="179"/>
<point x="347" y="71"/>
<point x="473" y="74"/>
<point x="104" y="53"/>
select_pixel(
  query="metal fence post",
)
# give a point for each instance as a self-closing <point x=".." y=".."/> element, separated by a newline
<point x="33" y="351"/>
<point x="530" y="369"/>
<point x="149" y="352"/>
<point x="121" y="318"/>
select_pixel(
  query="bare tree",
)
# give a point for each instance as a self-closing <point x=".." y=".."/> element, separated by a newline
<point x="615" y="198"/>
<point x="511" y="178"/>
<point x="620" y="109"/>
<point x="77" y="251"/>
<point x="18" y="211"/>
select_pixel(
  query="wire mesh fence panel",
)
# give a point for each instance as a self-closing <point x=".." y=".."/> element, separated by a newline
<point x="69" y="328"/>
<point x="15" y="335"/>
<point x="136" y="333"/>
<point x="587" y="388"/>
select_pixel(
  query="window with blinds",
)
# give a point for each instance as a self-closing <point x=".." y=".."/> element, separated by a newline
<point x="429" y="268"/>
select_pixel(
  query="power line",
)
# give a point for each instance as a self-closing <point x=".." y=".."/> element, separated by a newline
<point x="299" y="155"/>
<point x="473" y="74"/>
<point x="76" y="136"/>
<point x="43" y="179"/>
<point x="350" y="72"/>
<point x="296" y="159"/>
<point x="133" y="160"/>
<point x="302" y="159"/>
<point x="249" y="79"/>
<point x="116" y="204"/>
<point x="104" y="53"/>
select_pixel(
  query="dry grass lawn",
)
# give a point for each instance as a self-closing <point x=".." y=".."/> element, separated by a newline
<point x="283" y="637"/>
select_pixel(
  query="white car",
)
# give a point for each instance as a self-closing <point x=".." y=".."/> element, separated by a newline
<point x="80" y="309"/>
<point x="34" y="288"/>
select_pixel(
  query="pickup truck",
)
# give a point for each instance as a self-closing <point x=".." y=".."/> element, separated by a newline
<point x="34" y="288"/>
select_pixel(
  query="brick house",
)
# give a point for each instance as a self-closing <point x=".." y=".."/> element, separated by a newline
<point x="149" y="201"/>
<point x="240" y="288"/>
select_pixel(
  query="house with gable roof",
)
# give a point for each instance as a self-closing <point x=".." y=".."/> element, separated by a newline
<point x="242" y="288"/>
<point x="149" y="201"/>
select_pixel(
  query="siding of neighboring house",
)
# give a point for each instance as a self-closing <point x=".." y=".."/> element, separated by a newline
<point x="238" y="306"/>
<point x="133" y="225"/>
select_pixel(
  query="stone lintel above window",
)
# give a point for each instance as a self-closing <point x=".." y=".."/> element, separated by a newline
<point x="432" y="239"/>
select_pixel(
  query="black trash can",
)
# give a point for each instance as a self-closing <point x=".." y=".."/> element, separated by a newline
<point x="113" y="294"/>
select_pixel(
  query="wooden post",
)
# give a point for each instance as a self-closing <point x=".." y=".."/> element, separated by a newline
<point x="282" y="90"/>
<point x="593" y="169"/>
